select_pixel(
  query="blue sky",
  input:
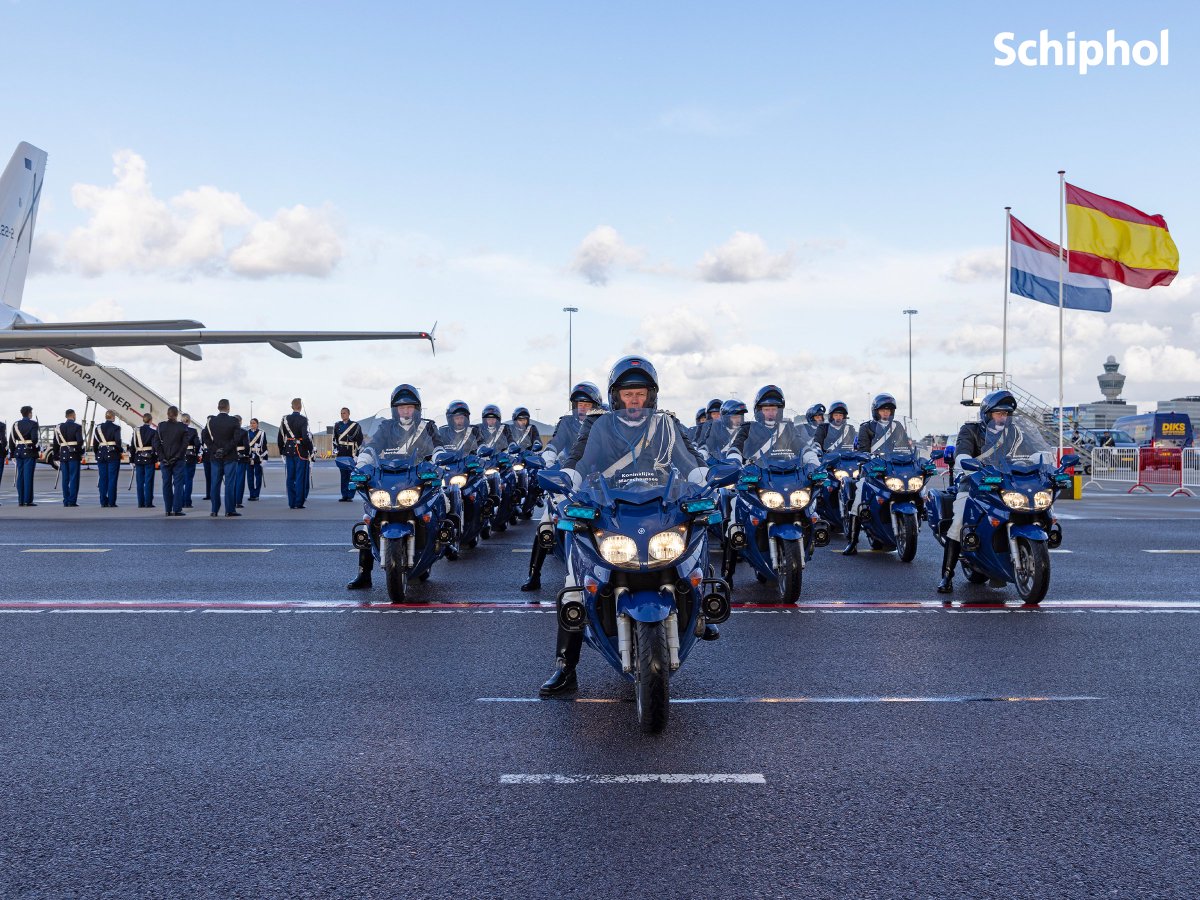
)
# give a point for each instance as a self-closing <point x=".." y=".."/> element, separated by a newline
<point x="453" y="161"/>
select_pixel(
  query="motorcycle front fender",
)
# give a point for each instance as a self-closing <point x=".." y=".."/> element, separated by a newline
<point x="645" y="606"/>
<point x="785" y="531"/>
<point x="907" y="508"/>
<point x="395" y="531"/>
<point x="1029" y="532"/>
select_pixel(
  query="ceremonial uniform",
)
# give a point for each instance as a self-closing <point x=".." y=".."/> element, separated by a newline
<point x="220" y="437"/>
<point x="68" y="450"/>
<point x="258" y="454"/>
<point x="243" y="464"/>
<point x="141" y="451"/>
<point x="106" y="444"/>
<point x="24" y="444"/>
<point x="295" y="445"/>
<point x="347" y="439"/>
<point x="191" y="455"/>
<point x="3" y="449"/>
<point x="170" y="445"/>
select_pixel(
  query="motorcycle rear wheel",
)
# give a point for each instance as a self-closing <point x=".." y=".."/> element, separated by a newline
<point x="1032" y="570"/>
<point x="652" y="684"/>
<point x="906" y="538"/>
<point x="790" y="577"/>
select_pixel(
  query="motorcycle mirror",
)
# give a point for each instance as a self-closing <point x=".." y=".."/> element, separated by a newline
<point x="344" y="462"/>
<point x="514" y="447"/>
<point x="1071" y="459"/>
<point x="722" y="474"/>
<point x="554" y="481"/>
<point x="536" y="447"/>
<point x="937" y="454"/>
<point x="971" y="465"/>
<point x="486" y="452"/>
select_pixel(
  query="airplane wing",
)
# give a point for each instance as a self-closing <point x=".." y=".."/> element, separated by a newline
<point x="184" y="342"/>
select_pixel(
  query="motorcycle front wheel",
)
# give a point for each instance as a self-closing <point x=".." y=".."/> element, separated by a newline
<point x="1032" y="570"/>
<point x="906" y="538"/>
<point x="652" y="684"/>
<point x="397" y="584"/>
<point x="790" y="576"/>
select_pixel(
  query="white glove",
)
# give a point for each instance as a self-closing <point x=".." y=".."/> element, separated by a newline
<point x="549" y="456"/>
<point x="698" y="475"/>
<point x="576" y="478"/>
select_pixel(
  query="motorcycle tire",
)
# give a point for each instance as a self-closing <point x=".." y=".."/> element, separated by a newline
<point x="653" y="674"/>
<point x="397" y="584"/>
<point x="473" y="543"/>
<point x="1032" y="571"/>
<point x="972" y="575"/>
<point x="790" y="577"/>
<point x="500" y="526"/>
<point x="906" y="538"/>
<point x="485" y="532"/>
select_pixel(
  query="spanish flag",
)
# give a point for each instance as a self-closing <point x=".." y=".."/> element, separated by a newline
<point x="1110" y="239"/>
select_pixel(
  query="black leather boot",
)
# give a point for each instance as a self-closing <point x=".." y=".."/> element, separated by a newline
<point x="537" y="556"/>
<point x="564" y="680"/>
<point x="363" y="580"/>
<point x="852" y="539"/>
<point x="949" y="561"/>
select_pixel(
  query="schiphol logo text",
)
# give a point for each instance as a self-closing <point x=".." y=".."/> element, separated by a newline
<point x="1080" y="54"/>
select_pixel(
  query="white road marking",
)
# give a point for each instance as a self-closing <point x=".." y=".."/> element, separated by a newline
<point x="230" y="550"/>
<point x="67" y="550"/>
<point x="755" y="778"/>
<point x="1062" y="551"/>
<point x="1171" y="551"/>
<point x="970" y="698"/>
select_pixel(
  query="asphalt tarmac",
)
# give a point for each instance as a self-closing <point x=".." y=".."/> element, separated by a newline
<point x="176" y="721"/>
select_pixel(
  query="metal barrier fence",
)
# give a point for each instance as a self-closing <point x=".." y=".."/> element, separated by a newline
<point x="1190" y="468"/>
<point x="1113" y="467"/>
<point x="1160" y="468"/>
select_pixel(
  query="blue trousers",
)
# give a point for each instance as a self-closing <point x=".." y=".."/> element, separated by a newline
<point x="174" y="480"/>
<point x="25" y="469"/>
<point x="241" y="481"/>
<point x="347" y="491"/>
<point x="189" y="477"/>
<point x="223" y="471"/>
<point x="297" y="480"/>
<point x="110" y="472"/>
<point x="68" y="470"/>
<point x="144" y="473"/>
<point x="256" y="480"/>
<point x="208" y="477"/>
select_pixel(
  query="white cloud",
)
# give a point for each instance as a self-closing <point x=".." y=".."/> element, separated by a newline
<point x="978" y="265"/>
<point x="130" y="229"/>
<point x="676" y="332"/>
<point x="603" y="251"/>
<point x="744" y="257"/>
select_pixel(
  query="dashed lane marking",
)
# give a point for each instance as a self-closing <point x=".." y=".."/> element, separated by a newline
<point x="1171" y="551"/>
<point x="230" y="550"/>
<point x="968" y="698"/>
<point x="712" y="778"/>
<point x="66" y="550"/>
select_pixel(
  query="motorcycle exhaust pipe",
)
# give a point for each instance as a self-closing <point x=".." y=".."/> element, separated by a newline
<point x="571" y="615"/>
<point x="1054" y="536"/>
<point x="445" y="534"/>
<point x="360" y="537"/>
<point x="737" y="538"/>
<point x="970" y="540"/>
<point x="715" y="607"/>
<point x="821" y="533"/>
<point x="545" y="536"/>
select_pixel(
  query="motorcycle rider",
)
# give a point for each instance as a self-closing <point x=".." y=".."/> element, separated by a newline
<point x="712" y="414"/>
<point x="405" y="434"/>
<point x="996" y="431"/>
<point x="837" y="433"/>
<point x="584" y="398"/>
<point x="523" y="431"/>
<point x="631" y="440"/>
<point x="493" y="433"/>
<point x="879" y="435"/>
<point x="721" y="433"/>
<point x="458" y="434"/>
<point x="701" y="418"/>
<point x="770" y="433"/>
<point x="814" y="417"/>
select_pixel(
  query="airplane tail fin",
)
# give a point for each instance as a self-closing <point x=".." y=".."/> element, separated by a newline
<point x="20" y="192"/>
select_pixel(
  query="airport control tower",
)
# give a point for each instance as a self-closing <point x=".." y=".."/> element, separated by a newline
<point x="1104" y="413"/>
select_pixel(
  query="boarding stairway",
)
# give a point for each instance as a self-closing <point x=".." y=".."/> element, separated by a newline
<point x="1029" y="408"/>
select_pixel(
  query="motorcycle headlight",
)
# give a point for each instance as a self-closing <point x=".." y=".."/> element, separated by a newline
<point x="618" y="550"/>
<point x="458" y="480"/>
<point x="893" y="483"/>
<point x="856" y="473"/>
<point x="916" y="483"/>
<point x="1042" y="500"/>
<point x="771" y="499"/>
<point x="519" y="467"/>
<point x="1015" y="500"/>
<point x="841" y="474"/>
<point x="381" y="499"/>
<point x="407" y="497"/>
<point x="666" y="546"/>
<point x="800" y="498"/>
<point x="490" y="471"/>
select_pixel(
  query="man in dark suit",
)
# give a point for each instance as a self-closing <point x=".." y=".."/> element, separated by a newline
<point x="171" y="443"/>
<point x="141" y="451"/>
<point x="220" y="438"/>
<point x="191" y="455"/>
<point x="106" y="444"/>
<point x="3" y="448"/>
<point x="68" y="450"/>
<point x="23" y="441"/>
<point x="295" y="445"/>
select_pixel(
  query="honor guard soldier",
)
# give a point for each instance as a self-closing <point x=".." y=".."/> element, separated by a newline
<point x="170" y="444"/>
<point x="347" y="439"/>
<point x="243" y="462"/>
<point x="106" y="445"/>
<point x="191" y="455"/>
<point x="141" y="451"/>
<point x="295" y="445"/>
<point x="3" y="449"/>
<point x="68" y="450"/>
<point x="24" y="445"/>
<point x="258" y="455"/>
<point x="220" y="437"/>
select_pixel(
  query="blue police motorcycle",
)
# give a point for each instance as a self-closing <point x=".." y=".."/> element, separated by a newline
<point x="639" y="545"/>
<point x="408" y="525"/>
<point x="464" y="479"/>
<point x="891" y="511"/>
<point x="840" y="466"/>
<point x="774" y="528"/>
<point x="505" y="485"/>
<point x="1008" y="523"/>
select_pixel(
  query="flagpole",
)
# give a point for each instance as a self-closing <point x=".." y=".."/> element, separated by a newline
<point x="1061" y="276"/>
<point x="1007" y="278"/>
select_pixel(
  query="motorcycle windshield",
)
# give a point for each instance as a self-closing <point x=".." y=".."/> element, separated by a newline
<point x="1015" y="445"/>
<point x="888" y="437"/>
<point x="394" y="444"/>
<point x="636" y="487"/>
<point x="635" y="443"/>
